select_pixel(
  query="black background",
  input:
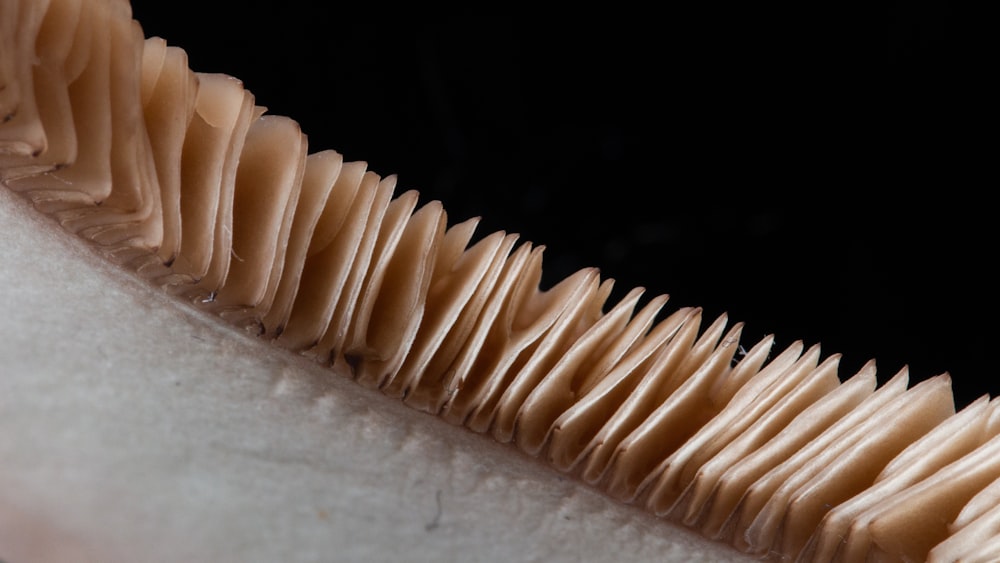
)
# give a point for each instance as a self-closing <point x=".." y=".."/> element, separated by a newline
<point x="811" y="173"/>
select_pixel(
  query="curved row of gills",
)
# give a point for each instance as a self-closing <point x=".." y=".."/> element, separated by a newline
<point x="178" y="176"/>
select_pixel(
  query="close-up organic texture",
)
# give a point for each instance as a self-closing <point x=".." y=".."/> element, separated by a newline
<point x="183" y="179"/>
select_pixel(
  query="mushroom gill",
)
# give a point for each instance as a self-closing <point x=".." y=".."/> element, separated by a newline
<point x="179" y="177"/>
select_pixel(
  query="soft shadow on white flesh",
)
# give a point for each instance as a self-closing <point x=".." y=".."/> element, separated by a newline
<point x="133" y="427"/>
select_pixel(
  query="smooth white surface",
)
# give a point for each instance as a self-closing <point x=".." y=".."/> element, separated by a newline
<point x="133" y="428"/>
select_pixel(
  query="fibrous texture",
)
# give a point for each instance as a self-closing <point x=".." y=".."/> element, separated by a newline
<point x="180" y="177"/>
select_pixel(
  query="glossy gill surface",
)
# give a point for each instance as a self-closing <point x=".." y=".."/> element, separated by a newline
<point x="179" y="176"/>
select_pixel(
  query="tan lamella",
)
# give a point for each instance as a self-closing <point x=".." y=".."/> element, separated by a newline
<point x="180" y="177"/>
